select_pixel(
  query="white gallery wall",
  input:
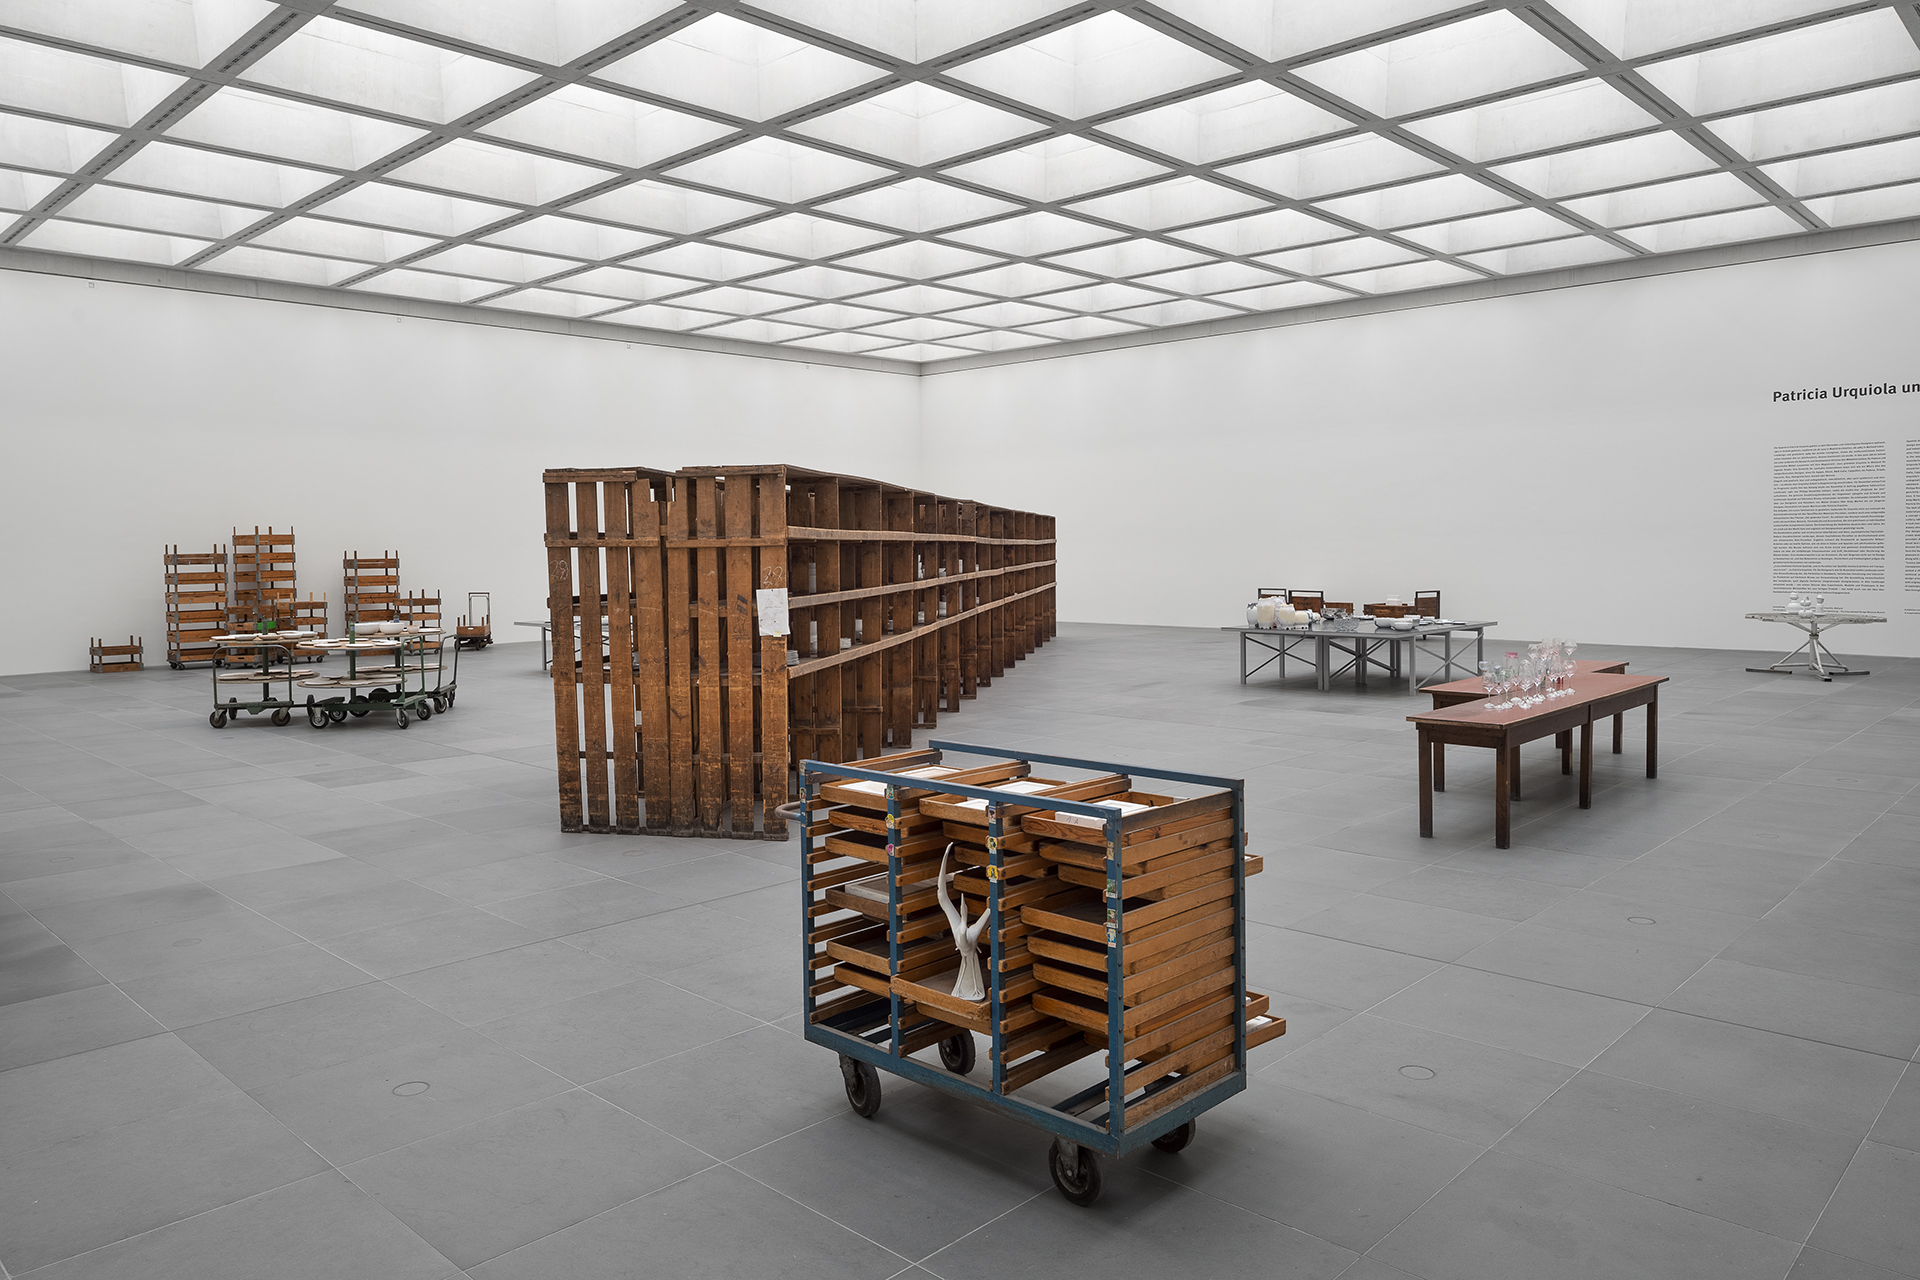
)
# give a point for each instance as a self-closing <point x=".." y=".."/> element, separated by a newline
<point x="132" y="417"/>
<point x="1592" y="462"/>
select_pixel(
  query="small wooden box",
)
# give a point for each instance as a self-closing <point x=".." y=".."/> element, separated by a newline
<point x="104" y="657"/>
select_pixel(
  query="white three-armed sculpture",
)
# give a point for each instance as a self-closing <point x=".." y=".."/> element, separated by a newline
<point x="969" y="984"/>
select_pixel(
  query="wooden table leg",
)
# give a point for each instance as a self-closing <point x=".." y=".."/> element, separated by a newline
<point x="1502" y="801"/>
<point x="1653" y="736"/>
<point x="1619" y="730"/>
<point x="1439" y="766"/>
<point x="1513" y="773"/>
<point x="1586" y="765"/>
<point x="1428" y="750"/>
<point x="1564" y="740"/>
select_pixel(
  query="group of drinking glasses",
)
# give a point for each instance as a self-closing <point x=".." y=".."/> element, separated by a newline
<point x="1545" y="672"/>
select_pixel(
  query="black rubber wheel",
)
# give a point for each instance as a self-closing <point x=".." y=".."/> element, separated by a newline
<point x="1083" y="1188"/>
<point x="957" y="1053"/>
<point x="316" y="717"/>
<point x="281" y="715"/>
<point x="218" y="719"/>
<point x="176" y="665"/>
<point x="337" y="714"/>
<point x="1174" y="1141"/>
<point x="863" y="1086"/>
<point x="440" y="706"/>
<point x="358" y="714"/>
<point x="450" y="699"/>
<point x="424" y="710"/>
<point x="400" y="718"/>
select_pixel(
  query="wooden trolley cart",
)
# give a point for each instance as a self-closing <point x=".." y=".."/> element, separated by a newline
<point x="1114" y="919"/>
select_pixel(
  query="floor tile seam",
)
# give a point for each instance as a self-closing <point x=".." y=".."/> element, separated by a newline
<point x="826" y="1217"/>
<point x="1746" y="1110"/>
<point x="198" y="1213"/>
<point x="275" y="1120"/>
<point x="1643" y="1195"/>
<point x="582" y="1222"/>
<point x="1011" y="1209"/>
<point x="1411" y="955"/>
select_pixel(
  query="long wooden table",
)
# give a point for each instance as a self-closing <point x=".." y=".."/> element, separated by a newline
<point x="1455" y="692"/>
<point x="1474" y="724"/>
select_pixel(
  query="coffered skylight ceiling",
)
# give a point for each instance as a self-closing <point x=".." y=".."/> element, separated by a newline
<point x="927" y="179"/>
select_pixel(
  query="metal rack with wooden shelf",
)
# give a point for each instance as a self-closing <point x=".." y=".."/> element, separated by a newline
<point x="1115" y="919"/>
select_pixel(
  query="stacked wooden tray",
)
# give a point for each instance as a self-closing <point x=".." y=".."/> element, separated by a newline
<point x="1176" y="922"/>
<point x="881" y="951"/>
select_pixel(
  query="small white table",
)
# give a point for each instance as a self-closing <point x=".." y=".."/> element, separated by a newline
<point x="1819" y="660"/>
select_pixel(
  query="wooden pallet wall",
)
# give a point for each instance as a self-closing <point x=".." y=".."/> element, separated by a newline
<point x="690" y="722"/>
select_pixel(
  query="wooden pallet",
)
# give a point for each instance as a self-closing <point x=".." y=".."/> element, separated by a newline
<point x="693" y="721"/>
<point x="195" y="591"/>
<point x="104" y="657"/>
<point x="263" y="576"/>
<point x="370" y="587"/>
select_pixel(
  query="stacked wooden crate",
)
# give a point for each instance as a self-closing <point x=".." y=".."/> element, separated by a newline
<point x="370" y="587"/>
<point x="263" y="576"/>
<point x="195" y="584"/>
<point x="1175" y="920"/>
<point x="900" y="603"/>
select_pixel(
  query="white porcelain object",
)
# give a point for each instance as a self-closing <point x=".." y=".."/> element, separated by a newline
<point x="1263" y="613"/>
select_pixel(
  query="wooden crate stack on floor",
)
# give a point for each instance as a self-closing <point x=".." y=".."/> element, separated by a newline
<point x="103" y="657"/>
<point x="900" y="603"/>
<point x="195" y="584"/>
<point x="418" y="609"/>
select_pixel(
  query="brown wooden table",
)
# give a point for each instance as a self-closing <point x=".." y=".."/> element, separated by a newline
<point x="1455" y="692"/>
<point x="1473" y="724"/>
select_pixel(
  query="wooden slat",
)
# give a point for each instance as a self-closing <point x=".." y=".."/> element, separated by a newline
<point x="649" y="625"/>
<point x="738" y="609"/>
<point x="566" y="710"/>
<point x="776" y="758"/>
<point x="592" y="675"/>
<point x="1154" y="1104"/>
<point x="679" y="667"/>
<point x="618" y="503"/>
<point x="709" y="778"/>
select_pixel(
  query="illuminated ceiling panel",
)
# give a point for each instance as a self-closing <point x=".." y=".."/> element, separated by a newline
<point x="925" y="180"/>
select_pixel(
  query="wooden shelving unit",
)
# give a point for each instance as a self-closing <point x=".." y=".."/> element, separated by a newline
<point x="195" y="586"/>
<point x="370" y="589"/>
<point x="901" y="604"/>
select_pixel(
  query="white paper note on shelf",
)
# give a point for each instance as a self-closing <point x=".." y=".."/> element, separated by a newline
<point x="772" y="605"/>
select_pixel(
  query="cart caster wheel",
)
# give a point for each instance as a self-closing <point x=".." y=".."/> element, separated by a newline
<point x="957" y="1053"/>
<point x="337" y="715"/>
<point x="358" y="714"/>
<point x="218" y="719"/>
<point x="1082" y="1185"/>
<point x="400" y="719"/>
<point x="863" y="1086"/>
<point x="1175" y="1140"/>
<point x="177" y="666"/>
<point x="318" y="719"/>
<point x="440" y="706"/>
<point x="423" y="710"/>
<point x="282" y="716"/>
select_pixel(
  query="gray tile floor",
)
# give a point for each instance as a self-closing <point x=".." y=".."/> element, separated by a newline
<point x="278" y="1002"/>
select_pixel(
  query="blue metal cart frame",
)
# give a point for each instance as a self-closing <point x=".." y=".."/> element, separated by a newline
<point x="871" y="1033"/>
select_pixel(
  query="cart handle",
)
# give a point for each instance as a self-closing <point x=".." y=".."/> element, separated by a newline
<point x="794" y="812"/>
